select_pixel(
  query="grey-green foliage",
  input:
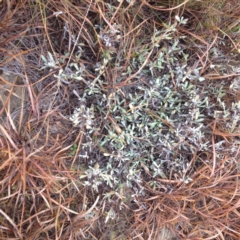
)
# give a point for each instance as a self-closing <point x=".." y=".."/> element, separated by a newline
<point x="145" y="125"/>
<point x="151" y="128"/>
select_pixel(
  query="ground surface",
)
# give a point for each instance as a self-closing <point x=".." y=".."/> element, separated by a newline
<point x="119" y="120"/>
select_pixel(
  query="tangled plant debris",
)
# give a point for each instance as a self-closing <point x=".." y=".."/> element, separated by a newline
<point x="127" y="122"/>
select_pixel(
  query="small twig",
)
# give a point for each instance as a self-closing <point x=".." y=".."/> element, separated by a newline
<point x="214" y="151"/>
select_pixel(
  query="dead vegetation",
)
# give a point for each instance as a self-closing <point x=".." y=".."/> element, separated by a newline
<point x="43" y="192"/>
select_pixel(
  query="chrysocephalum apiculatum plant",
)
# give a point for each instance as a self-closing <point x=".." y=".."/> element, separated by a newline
<point x="152" y="126"/>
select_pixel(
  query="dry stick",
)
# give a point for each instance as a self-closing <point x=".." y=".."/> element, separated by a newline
<point x="214" y="151"/>
<point x="136" y="73"/>
<point x="6" y="101"/>
<point x="8" y="112"/>
<point x="170" y="68"/>
<point x="235" y="192"/>
<point x="8" y="137"/>
<point x="84" y="214"/>
<point x="80" y="31"/>
<point x="143" y="65"/>
<point x="14" y="57"/>
<point x="223" y="134"/>
<point x="9" y="160"/>
<point x="207" y="51"/>
<point x="194" y="35"/>
<point x="9" y="196"/>
<point x="203" y="41"/>
<point x="12" y="223"/>
<point x="190" y="164"/>
<point x="161" y="8"/>
<point x="115" y="13"/>
<point x="135" y="28"/>
<point x="236" y="48"/>
<point x="45" y="24"/>
<point x="24" y="185"/>
<point x="169" y="181"/>
<point x="108" y="23"/>
<point x="30" y="90"/>
<point x="80" y="137"/>
<point x="210" y="76"/>
<point x="228" y="228"/>
<point x="178" y="214"/>
<point x="24" y="166"/>
<point x="63" y="207"/>
<point x="20" y="121"/>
